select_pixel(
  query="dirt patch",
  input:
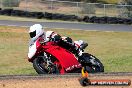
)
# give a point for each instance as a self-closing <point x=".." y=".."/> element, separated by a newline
<point x="56" y="82"/>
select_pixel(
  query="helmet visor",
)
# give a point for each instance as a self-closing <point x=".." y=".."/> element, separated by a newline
<point x="32" y="34"/>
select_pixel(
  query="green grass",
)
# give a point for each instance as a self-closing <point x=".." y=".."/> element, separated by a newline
<point x="16" y="18"/>
<point x="110" y="1"/>
<point x="113" y="48"/>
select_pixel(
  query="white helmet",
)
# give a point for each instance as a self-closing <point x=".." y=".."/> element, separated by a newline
<point x="35" y="31"/>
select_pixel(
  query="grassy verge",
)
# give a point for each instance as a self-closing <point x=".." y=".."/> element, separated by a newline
<point x="110" y="1"/>
<point x="2" y="17"/>
<point x="113" y="48"/>
<point x="15" y="18"/>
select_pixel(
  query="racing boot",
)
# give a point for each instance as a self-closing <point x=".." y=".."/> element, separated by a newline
<point x="83" y="46"/>
<point x="80" y="46"/>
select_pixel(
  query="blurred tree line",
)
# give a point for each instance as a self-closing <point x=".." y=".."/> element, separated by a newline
<point x="10" y="3"/>
<point x="91" y="1"/>
<point x="129" y="2"/>
<point x="126" y="2"/>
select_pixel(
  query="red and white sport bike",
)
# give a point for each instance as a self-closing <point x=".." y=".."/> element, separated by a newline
<point x="51" y="58"/>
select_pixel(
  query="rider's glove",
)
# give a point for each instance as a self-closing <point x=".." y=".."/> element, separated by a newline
<point x="56" y="38"/>
<point x="69" y="41"/>
<point x="41" y="41"/>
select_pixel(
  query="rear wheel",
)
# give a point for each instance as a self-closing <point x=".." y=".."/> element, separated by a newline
<point x="41" y="66"/>
<point x="91" y="63"/>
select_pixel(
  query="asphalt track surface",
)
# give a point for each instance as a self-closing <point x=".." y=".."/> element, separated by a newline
<point x="71" y="25"/>
<point x="67" y="75"/>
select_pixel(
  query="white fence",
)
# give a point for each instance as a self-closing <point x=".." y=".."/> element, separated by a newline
<point x="72" y="8"/>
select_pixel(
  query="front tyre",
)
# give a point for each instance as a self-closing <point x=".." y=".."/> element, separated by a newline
<point x="41" y="67"/>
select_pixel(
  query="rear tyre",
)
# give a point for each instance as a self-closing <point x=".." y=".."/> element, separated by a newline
<point x="91" y="63"/>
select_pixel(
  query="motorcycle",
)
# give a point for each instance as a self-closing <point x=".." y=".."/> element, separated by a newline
<point x="51" y="58"/>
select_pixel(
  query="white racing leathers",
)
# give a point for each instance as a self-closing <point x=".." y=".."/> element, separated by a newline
<point x="32" y="43"/>
<point x="32" y="50"/>
<point x="47" y="37"/>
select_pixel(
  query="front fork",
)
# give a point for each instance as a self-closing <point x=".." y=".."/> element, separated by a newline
<point x="48" y="62"/>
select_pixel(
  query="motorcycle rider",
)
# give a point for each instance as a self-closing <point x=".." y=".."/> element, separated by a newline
<point x="36" y="31"/>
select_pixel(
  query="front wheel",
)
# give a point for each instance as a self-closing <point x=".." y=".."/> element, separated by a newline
<point x="91" y="63"/>
<point x="41" y="66"/>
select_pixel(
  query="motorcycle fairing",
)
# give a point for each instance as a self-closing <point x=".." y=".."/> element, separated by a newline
<point x="67" y="60"/>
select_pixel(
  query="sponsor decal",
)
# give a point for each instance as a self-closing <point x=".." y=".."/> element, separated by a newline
<point x="72" y="67"/>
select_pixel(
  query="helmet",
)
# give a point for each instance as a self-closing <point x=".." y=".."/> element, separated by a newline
<point x="35" y="31"/>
